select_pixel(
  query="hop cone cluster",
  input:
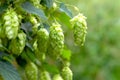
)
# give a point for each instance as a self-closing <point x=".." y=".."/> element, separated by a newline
<point x="79" y="29"/>
<point x="57" y="77"/>
<point x="17" y="45"/>
<point x="11" y="23"/>
<point x="56" y="40"/>
<point x="44" y="75"/>
<point x="31" y="71"/>
<point x="67" y="73"/>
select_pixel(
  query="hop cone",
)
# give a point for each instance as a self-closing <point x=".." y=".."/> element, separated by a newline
<point x="45" y="76"/>
<point x="40" y="45"/>
<point x="79" y="29"/>
<point x="56" y="40"/>
<point x="42" y="37"/>
<point x="31" y="71"/>
<point x="17" y="45"/>
<point x="67" y="73"/>
<point x="11" y="24"/>
<point x="57" y="77"/>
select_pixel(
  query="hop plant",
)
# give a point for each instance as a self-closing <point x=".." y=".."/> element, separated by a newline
<point x="56" y="40"/>
<point x="31" y="71"/>
<point x="79" y="29"/>
<point x="17" y="45"/>
<point x="67" y="73"/>
<point x="44" y="75"/>
<point x="11" y="23"/>
<point x="57" y="77"/>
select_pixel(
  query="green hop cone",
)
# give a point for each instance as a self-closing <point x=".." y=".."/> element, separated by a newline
<point x="11" y="23"/>
<point x="42" y="36"/>
<point x="44" y="75"/>
<point x="79" y="29"/>
<point x="67" y="73"/>
<point x="41" y="43"/>
<point x="31" y="71"/>
<point x="17" y="45"/>
<point x="57" y="77"/>
<point x="56" y="40"/>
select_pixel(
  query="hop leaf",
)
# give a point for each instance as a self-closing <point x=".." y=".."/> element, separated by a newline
<point x="17" y="45"/>
<point x="79" y="29"/>
<point x="67" y="73"/>
<point x="56" y="40"/>
<point x="31" y="71"/>
<point x="57" y="77"/>
<point x="45" y="75"/>
<point x="11" y="23"/>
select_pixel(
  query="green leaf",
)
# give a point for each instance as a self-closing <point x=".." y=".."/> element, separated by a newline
<point x="6" y="57"/>
<point x="51" y="68"/>
<point x="27" y="27"/>
<point x="64" y="9"/>
<point x="66" y="54"/>
<point x="28" y="7"/>
<point x="63" y="18"/>
<point x="8" y="71"/>
<point x="47" y="3"/>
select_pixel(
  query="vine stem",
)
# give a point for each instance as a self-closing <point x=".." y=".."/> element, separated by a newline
<point x="68" y="5"/>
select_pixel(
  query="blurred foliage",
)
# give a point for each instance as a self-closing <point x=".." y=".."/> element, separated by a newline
<point x="99" y="58"/>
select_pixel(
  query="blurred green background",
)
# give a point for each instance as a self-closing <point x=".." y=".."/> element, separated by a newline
<point x="99" y="58"/>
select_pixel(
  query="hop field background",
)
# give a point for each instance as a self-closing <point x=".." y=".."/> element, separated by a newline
<point x="99" y="59"/>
